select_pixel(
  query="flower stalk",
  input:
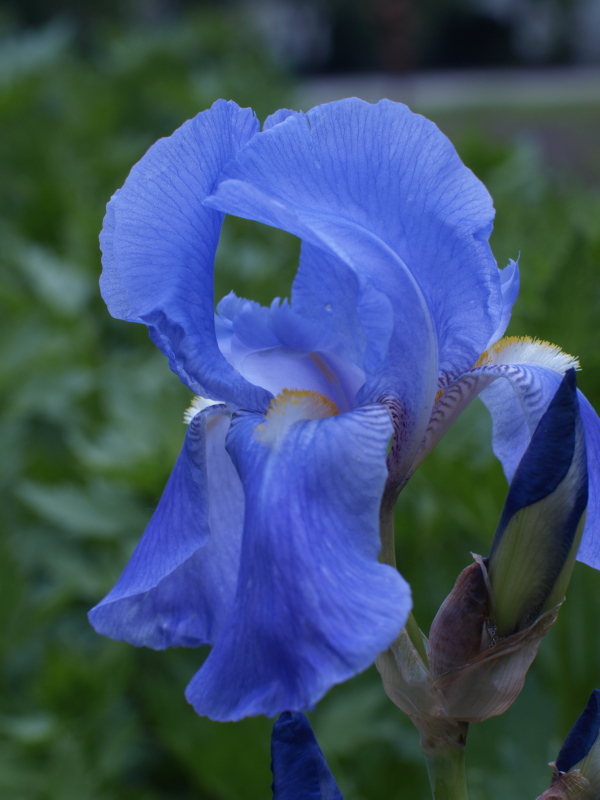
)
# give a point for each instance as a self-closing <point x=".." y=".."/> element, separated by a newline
<point x="446" y="770"/>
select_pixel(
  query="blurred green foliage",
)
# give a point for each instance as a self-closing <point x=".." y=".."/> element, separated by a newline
<point x="92" y="423"/>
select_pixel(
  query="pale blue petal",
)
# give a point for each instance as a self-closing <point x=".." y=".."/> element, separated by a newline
<point x="589" y="550"/>
<point x="348" y="167"/>
<point x="328" y="291"/>
<point x="278" y="349"/>
<point x="516" y="405"/>
<point x="300" y="771"/>
<point x="509" y="285"/>
<point x="159" y="243"/>
<point x="550" y="455"/>
<point x="278" y="116"/>
<point x="402" y="364"/>
<point x="179" y="584"/>
<point x="313" y="604"/>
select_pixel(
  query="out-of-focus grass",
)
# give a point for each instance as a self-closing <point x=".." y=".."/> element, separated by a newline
<point x="91" y="426"/>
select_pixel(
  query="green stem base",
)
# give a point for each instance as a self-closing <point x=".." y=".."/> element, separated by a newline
<point x="446" y="768"/>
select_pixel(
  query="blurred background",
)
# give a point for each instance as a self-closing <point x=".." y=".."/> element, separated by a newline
<point x="92" y="417"/>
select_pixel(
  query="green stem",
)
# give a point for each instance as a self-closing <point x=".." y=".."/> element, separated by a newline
<point x="446" y="768"/>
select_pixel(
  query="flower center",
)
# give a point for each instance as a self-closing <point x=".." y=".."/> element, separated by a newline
<point x="290" y="406"/>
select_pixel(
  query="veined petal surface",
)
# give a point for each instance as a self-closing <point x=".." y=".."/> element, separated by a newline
<point x="589" y="550"/>
<point x="350" y="167"/>
<point x="313" y="605"/>
<point x="179" y="584"/>
<point x="509" y="287"/>
<point x="277" y="348"/>
<point x="327" y="290"/>
<point x="278" y="116"/>
<point x="159" y="243"/>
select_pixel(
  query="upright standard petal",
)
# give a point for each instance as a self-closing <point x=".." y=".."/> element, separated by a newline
<point x="385" y="171"/>
<point x="313" y="605"/>
<point x="509" y="286"/>
<point x="279" y="349"/>
<point x="159" y="244"/>
<point x="328" y="291"/>
<point x="589" y="550"/>
<point x="299" y="767"/>
<point x="379" y="192"/>
<point x="179" y="584"/>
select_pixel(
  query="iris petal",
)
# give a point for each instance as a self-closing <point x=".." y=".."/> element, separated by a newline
<point x="180" y="581"/>
<point x="509" y="286"/>
<point x="279" y="349"/>
<point x="277" y="117"/>
<point x="313" y="606"/>
<point x="299" y="767"/>
<point x="408" y="367"/>
<point x="382" y="191"/>
<point x="383" y="170"/>
<point x="159" y="244"/>
<point x="589" y="550"/>
<point x="328" y="291"/>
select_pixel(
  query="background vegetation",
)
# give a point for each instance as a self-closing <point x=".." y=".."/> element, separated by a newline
<point x="92" y="423"/>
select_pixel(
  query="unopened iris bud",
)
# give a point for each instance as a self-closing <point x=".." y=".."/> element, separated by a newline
<point x="534" y="549"/>
<point x="577" y="768"/>
<point x="488" y="630"/>
<point x="298" y="764"/>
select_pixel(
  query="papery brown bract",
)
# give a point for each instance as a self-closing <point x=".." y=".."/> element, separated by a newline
<point x="478" y="674"/>
<point x="568" y="786"/>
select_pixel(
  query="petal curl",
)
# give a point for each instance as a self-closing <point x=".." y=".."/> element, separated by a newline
<point x="159" y="243"/>
<point x="329" y="292"/>
<point x="280" y="349"/>
<point x="179" y="584"/>
<point x="350" y="167"/>
<point x="589" y="550"/>
<point x="509" y="286"/>
<point x="313" y="605"/>
<point x="278" y="116"/>
<point x="404" y="364"/>
<point x="299" y="767"/>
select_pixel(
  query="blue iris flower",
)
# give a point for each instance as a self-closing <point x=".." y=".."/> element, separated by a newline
<point x="265" y="543"/>
<point x="299" y="767"/>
